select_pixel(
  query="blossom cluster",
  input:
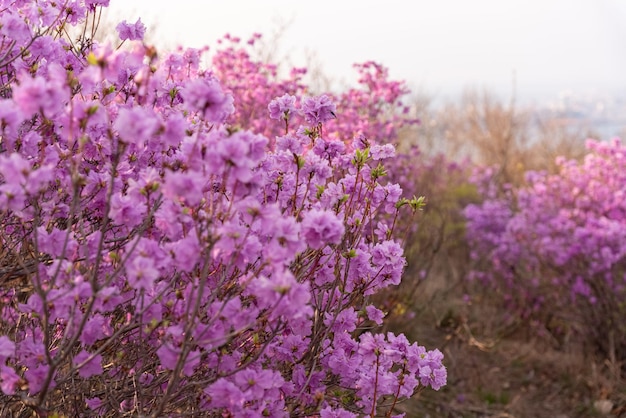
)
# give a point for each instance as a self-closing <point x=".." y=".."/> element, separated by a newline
<point x="556" y="248"/>
<point x="374" y="108"/>
<point x="158" y="259"/>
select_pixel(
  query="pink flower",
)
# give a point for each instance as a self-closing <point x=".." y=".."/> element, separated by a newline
<point x="381" y="152"/>
<point x="321" y="227"/>
<point x="282" y="108"/>
<point x="131" y="31"/>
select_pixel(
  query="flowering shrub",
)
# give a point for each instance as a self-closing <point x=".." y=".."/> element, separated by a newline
<point x="555" y="250"/>
<point x="158" y="260"/>
<point x="373" y="109"/>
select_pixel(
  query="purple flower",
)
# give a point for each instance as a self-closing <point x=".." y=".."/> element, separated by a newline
<point x="96" y="328"/>
<point x="132" y="31"/>
<point x="318" y="110"/>
<point x="329" y="412"/>
<point x="8" y="380"/>
<point x="7" y="348"/>
<point x="185" y="252"/>
<point x="345" y="321"/>
<point x="93" y="403"/>
<point x="15" y="28"/>
<point x="33" y="95"/>
<point x="174" y="130"/>
<point x="191" y="362"/>
<point x="126" y="211"/>
<point x="136" y="125"/>
<point x="14" y="168"/>
<point x="371" y="346"/>
<point x="36" y="376"/>
<point x="93" y="3"/>
<point x="225" y="394"/>
<point x="186" y="187"/>
<point x="393" y="192"/>
<point x="381" y="152"/>
<point x="91" y="368"/>
<point x="581" y="288"/>
<point x="328" y="149"/>
<point x="235" y="151"/>
<point x="286" y="242"/>
<point x="291" y="143"/>
<point x="387" y="253"/>
<point x="321" y="227"/>
<point x="10" y="119"/>
<point x="141" y="273"/>
<point x="374" y="314"/>
<point x="283" y="294"/>
<point x="282" y="107"/>
<point x="205" y="95"/>
<point x="430" y="369"/>
<point x="168" y="355"/>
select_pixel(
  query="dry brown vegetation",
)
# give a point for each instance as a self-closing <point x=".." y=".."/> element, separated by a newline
<point x="495" y="133"/>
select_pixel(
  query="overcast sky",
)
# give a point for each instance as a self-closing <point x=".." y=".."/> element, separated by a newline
<point x="440" y="46"/>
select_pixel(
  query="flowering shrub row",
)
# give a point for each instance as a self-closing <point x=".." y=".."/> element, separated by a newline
<point x="556" y="248"/>
<point x="159" y="259"/>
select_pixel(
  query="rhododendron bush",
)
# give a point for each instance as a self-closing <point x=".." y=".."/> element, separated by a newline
<point x="373" y="108"/>
<point x="555" y="250"/>
<point x="159" y="259"/>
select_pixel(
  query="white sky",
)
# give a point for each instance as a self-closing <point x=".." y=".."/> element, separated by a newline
<point x="440" y="46"/>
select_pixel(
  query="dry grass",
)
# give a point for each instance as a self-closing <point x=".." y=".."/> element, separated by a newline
<point x="497" y="368"/>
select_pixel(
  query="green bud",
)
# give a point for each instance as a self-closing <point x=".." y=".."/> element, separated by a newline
<point x="360" y="157"/>
<point x="403" y="201"/>
<point x="378" y="172"/>
<point x="320" y="191"/>
<point x="417" y="203"/>
<point x="92" y="109"/>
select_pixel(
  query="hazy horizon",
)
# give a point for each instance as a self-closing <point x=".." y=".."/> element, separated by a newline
<point x="439" y="47"/>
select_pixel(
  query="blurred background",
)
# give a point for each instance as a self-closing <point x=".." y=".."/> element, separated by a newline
<point x="562" y="57"/>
